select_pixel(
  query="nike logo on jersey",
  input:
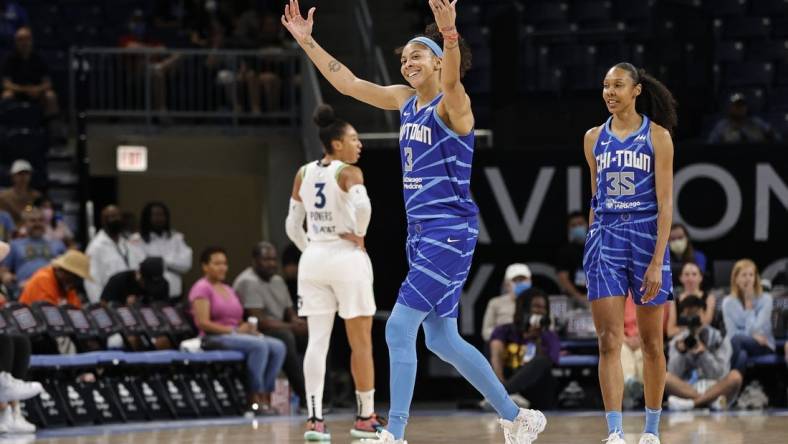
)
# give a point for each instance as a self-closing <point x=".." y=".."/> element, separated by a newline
<point x="451" y="241"/>
<point x="406" y="114"/>
<point x="605" y="143"/>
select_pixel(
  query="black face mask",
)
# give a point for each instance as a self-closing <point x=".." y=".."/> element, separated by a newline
<point x="114" y="227"/>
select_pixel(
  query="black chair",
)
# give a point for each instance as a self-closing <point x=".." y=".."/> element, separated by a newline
<point x="7" y="323"/>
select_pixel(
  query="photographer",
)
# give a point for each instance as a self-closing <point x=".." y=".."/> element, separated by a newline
<point x="523" y="353"/>
<point x="699" y="356"/>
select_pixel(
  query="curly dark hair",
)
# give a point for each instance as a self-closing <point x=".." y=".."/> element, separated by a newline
<point x="433" y="33"/>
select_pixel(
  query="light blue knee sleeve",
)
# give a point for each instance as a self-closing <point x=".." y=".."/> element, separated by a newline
<point x="401" y="331"/>
<point x="443" y="339"/>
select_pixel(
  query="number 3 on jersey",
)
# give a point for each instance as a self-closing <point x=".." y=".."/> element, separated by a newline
<point x="408" y="158"/>
<point x="321" y="197"/>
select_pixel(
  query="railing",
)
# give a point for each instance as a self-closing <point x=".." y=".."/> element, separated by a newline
<point x="215" y="86"/>
<point x="373" y="55"/>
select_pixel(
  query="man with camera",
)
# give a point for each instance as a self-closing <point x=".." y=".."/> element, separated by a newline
<point x="524" y="352"/>
<point x="699" y="373"/>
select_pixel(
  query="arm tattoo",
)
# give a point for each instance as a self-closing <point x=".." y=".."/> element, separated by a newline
<point x="452" y="45"/>
<point x="309" y="42"/>
<point x="334" y="66"/>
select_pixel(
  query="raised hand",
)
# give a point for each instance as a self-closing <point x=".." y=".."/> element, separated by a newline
<point x="300" y="28"/>
<point x="445" y="14"/>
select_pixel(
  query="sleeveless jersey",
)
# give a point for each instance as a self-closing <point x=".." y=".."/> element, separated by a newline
<point x="328" y="209"/>
<point x="625" y="177"/>
<point x="436" y="165"/>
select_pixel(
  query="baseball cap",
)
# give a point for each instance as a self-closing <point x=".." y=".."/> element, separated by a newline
<point x="514" y="270"/>
<point x="21" y="165"/>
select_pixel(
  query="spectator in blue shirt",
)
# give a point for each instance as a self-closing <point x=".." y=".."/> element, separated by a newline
<point x="741" y="127"/>
<point x="12" y="17"/>
<point x="747" y="313"/>
<point x="30" y="253"/>
<point x="7" y="226"/>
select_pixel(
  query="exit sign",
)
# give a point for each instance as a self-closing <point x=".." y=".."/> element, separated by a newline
<point x="132" y="158"/>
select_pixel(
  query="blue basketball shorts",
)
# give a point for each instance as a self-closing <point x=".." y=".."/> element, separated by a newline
<point x="439" y="255"/>
<point x="619" y="248"/>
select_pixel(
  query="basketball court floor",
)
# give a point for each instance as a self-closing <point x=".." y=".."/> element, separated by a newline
<point x="431" y="426"/>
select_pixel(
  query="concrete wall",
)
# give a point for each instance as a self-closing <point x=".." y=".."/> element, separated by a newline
<point x="222" y="190"/>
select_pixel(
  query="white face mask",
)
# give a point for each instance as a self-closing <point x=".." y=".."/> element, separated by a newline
<point x="678" y="246"/>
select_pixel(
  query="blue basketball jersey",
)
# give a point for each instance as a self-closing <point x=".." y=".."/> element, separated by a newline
<point x="436" y="165"/>
<point x="625" y="177"/>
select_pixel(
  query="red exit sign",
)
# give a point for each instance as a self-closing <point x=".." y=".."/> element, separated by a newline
<point x="132" y="158"/>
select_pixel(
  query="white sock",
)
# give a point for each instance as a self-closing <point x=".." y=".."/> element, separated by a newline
<point x="366" y="403"/>
<point x="320" y="327"/>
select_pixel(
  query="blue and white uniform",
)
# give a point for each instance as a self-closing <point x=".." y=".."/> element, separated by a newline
<point x="442" y="224"/>
<point x="622" y="238"/>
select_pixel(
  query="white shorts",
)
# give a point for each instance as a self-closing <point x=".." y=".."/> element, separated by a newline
<point x="335" y="277"/>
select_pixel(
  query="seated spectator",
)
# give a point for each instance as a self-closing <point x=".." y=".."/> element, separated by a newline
<point x="523" y="353"/>
<point x="15" y="353"/>
<point x="741" y="127"/>
<point x="747" y="313"/>
<point x="12" y="17"/>
<point x="264" y="32"/>
<point x="264" y="295"/>
<point x="145" y="286"/>
<point x="571" y="275"/>
<point x="56" y="228"/>
<point x="682" y="250"/>
<point x="7" y="226"/>
<point x="218" y="315"/>
<point x="691" y="279"/>
<point x="699" y="355"/>
<point x="110" y="252"/>
<point x="632" y="357"/>
<point x="160" y="240"/>
<point x="30" y="253"/>
<point x="58" y="282"/>
<point x="26" y="76"/>
<point x="500" y="309"/>
<point x="14" y="200"/>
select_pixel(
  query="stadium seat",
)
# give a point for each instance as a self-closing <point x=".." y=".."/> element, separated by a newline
<point x="719" y="8"/>
<point x="729" y="51"/>
<point x="778" y="100"/>
<point x="770" y="7"/>
<point x="591" y="11"/>
<point x="749" y="74"/>
<point x="745" y="27"/>
<point x="545" y="11"/>
<point x="633" y="11"/>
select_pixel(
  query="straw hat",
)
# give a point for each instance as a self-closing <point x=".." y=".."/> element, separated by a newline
<point x="75" y="262"/>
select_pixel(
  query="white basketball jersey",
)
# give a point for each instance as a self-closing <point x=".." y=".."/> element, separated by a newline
<point x="328" y="209"/>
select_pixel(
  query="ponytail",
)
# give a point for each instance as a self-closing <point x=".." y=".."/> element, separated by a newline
<point x="656" y="101"/>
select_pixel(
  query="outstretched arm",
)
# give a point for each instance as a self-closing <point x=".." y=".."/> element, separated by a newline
<point x="384" y="97"/>
<point x="294" y="223"/>
<point x="455" y="106"/>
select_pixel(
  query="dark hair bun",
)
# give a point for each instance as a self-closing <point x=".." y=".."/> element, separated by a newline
<point x="324" y="116"/>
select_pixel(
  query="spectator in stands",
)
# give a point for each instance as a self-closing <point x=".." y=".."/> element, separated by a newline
<point x="691" y="280"/>
<point x="264" y="295"/>
<point x="290" y="257"/>
<point x="4" y="291"/>
<point x="571" y="275"/>
<point x="500" y="310"/>
<point x="7" y="226"/>
<point x="14" y="200"/>
<point x="56" y="228"/>
<point x="30" y="253"/>
<point x="632" y="357"/>
<point x="110" y="252"/>
<point x="144" y="286"/>
<point x="58" y="282"/>
<point x="747" y="313"/>
<point x="26" y="76"/>
<point x="263" y="32"/>
<point x="160" y="240"/>
<point x="14" y="361"/>
<point x="682" y="250"/>
<point x="741" y="127"/>
<point x="218" y="314"/>
<point x="523" y="352"/>
<point x="12" y="17"/>
<point x="158" y="65"/>
<point x="699" y="355"/>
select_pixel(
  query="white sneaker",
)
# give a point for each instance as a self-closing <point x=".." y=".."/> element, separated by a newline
<point x="6" y="419"/>
<point x="677" y="404"/>
<point x="525" y="428"/>
<point x="615" y="438"/>
<point x="18" y="422"/>
<point x="384" y="437"/>
<point x="12" y="389"/>
<point x="648" y="438"/>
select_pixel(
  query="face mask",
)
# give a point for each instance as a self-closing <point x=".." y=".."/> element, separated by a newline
<point x="678" y="246"/>
<point x="520" y="287"/>
<point x="48" y="214"/>
<point x="578" y="234"/>
<point x="114" y="227"/>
